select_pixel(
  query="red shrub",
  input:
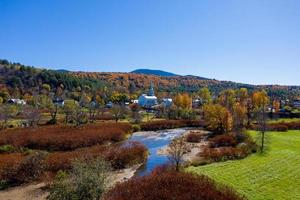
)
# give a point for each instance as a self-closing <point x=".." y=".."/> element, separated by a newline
<point x="193" y="137"/>
<point x="119" y="156"/>
<point x="22" y="169"/>
<point x="63" y="138"/>
<point x="129" y="154"/>
<point x="277" y="127"/>
<point x="170" y="185"/>
<point x="224" y="153"/>
<point x="10" y="160"/>
<point x="63" y="160"/>
<point x="169" y="124"/>
<point x="224" y="140"/>
<point x="281" y="126"/>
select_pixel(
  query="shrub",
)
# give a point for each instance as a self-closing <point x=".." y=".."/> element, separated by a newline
<point x="87" y="180"/>
<point x="64" y="138"/>
<point x="169" y="124"/>
<point x="136" y="128"/>
<point x="277" y="127"/>
<point x="224" y="153"/>
<point x="7" y="149"/>
<point x="129" y="154"/>
<point x="63" y="160"/>
<point x="193" y="137"/>
<point x="224" y="140"/>
<point x="281" y="126"/>
<point x="119" y="156"/>
<point x="170" y="185"/>
<point x="24" y="169"/>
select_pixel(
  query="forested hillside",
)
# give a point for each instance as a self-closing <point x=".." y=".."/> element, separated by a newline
<point x="17" y="80"/>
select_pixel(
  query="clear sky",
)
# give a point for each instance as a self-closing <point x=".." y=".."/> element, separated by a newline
<point x="251" y="41"/>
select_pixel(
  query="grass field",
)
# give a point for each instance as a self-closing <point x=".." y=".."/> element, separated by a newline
<point x="274" y="175"/>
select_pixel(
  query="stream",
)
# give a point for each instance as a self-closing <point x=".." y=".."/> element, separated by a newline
<point x="155" y="140"/>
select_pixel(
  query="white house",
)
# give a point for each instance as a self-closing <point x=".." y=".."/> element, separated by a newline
<point x="17" y="101"/>
<point x="148" y="100"/>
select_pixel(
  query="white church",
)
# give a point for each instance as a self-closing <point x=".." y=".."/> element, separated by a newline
<point x="148" y="100"/>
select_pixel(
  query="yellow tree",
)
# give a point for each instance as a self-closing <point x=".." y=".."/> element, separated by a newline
<point x="183" y="101"/>
<point x="205" y="96"/>
<point x="242" y="95"/>
<point x="227" y="98"/>
<point x="239" y="116"/>
<point x="260" y="102"/>
<point x="218" y="118"/>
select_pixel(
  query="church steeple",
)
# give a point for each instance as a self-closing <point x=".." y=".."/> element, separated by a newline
<point x="151" y="90"/>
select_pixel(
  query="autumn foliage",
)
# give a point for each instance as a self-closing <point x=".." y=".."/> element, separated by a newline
<point x="171" y="185"/>
<point x="224" y="153"/>
<point x="119" y="156"/>
<point x="224" y="140"/>
<point x="64" y="138"/>
<point x="218" y="119"/>
<point x="193" y="137"/>
<point x="17" y="168"/>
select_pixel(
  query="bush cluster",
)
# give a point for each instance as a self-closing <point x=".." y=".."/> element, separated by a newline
<point x="224" y="153"/>
<point x="280" y="126"/>
<point x="170" y="185"/>
<point x="119" y="156"/>
<point x="284" y="126"/>
<point x="169" y="124"/>
<point x="193" y="137"/>
<point x="64" y="138"/>
<point x="87" y="180"/>
<point x="127" y="155"/>
<point x="19" y="169"/>
<point x="224" y="140"/>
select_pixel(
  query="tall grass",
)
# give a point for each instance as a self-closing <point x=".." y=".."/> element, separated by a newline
<point x="65" y="138"/>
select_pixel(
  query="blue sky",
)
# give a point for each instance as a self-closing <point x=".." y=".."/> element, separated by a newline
<point x="251" y="41"/>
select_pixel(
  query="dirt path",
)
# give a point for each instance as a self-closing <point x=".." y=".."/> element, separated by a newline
<point x="25" y="192"/>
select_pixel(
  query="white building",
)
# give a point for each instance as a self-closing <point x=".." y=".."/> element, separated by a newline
<point x="148" y="100"/>
<point x="17" y="101"/>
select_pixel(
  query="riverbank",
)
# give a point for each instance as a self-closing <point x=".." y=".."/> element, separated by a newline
<point x="193" y="148"/>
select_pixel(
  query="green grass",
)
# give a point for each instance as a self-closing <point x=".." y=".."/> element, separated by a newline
<point x="273" y="175"/>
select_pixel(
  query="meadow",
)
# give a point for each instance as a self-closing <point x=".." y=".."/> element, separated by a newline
<point x="272" y="175"/>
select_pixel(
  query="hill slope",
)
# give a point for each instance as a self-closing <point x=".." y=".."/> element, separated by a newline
<point x="18" y="80"/>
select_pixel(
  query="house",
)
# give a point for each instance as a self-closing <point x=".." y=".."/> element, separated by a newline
<point x="296" y="104"/>
<point x="58" y="102"/>
<point x="135" y="101"/>
<point x="167" y="102"/>
<point x="109" y="105"/>
<point x="17" y="101"/>
<point x="148" y="100"/>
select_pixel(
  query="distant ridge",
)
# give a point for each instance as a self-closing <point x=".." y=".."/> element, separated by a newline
<point x="62" y="70"/>
<point x="153" y="72"/>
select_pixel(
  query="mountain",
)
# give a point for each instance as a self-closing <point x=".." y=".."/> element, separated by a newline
<point x="153" y="72"/>
<point x="62" y="70"/>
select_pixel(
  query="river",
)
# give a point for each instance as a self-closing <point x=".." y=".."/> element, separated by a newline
<point x="155" y="140"/>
